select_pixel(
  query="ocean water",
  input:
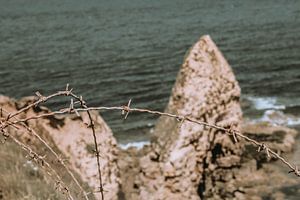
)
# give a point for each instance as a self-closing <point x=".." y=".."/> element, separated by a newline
<point x="113" y="51"/>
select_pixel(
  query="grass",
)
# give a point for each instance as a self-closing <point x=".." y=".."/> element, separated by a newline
<point x="21" y="178"/>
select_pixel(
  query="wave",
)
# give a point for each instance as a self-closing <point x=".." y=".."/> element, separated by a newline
<point x="264" y="103"/>
<point x="137" y="145"/>
<point x="277" y="117"/>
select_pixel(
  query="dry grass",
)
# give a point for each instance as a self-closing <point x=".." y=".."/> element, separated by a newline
<point x="21" y="178"/>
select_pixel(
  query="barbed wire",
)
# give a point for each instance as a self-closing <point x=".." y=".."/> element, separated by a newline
<point x="58" y="157"/>
<point x="5" y="122"/>
<point x="230" y="131"/>
<point x="78" y="105"/>
<point x="41" y="161"/>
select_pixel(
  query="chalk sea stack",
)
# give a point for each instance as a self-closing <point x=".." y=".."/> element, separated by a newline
<point x="191" y="159"/>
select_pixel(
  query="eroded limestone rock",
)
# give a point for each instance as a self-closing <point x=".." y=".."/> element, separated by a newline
<point x="72" y="139"/>
<point x="192" y="159"/>
<point x="77" y="142"/>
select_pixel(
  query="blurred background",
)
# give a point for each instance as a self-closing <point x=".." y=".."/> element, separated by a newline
<point x="113" y="51"/>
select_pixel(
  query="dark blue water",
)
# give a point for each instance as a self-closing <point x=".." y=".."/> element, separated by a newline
<point x="111" y="51"/>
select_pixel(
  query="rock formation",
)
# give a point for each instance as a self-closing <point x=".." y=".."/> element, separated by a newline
<point x="77" y="143"/>
<point x="184" y="160"/>
<point x="72" y="139"/>
<point x="188" y="160"/>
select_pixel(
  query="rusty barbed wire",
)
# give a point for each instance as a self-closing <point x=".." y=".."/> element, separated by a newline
<point x="125" y="109"/>
<point x="234" y="133"/>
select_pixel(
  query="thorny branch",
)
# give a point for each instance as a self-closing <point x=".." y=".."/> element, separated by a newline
<point x="126" y="109"/>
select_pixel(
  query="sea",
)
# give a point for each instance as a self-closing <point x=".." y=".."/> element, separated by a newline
<point x="113" y="51"/>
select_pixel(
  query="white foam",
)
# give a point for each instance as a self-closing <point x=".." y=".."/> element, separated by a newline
<point x="264" y="103"/>
<point x="279" y="118"/>
<point x="138" y="145"/>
